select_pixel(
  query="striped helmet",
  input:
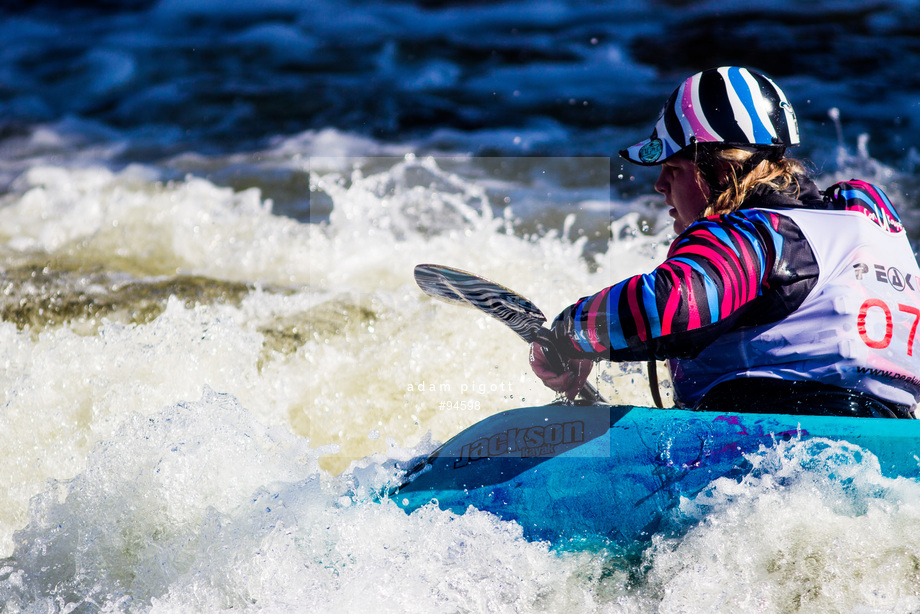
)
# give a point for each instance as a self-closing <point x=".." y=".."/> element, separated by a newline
<point x="728" y="105"/>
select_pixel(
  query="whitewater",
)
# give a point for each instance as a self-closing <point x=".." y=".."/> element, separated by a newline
<point x="216" y="361"/>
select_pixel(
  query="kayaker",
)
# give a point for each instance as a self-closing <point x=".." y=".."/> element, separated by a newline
<point x="774" y="297"/>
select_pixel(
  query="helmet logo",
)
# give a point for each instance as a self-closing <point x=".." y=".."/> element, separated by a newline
<point x="651" y="151"/>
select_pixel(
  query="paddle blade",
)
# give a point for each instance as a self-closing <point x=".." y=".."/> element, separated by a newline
<point x="462" y="288"/>
<point x="523" y="317"/>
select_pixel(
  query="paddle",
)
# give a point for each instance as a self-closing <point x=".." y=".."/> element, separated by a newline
<point x="523" y="317"/>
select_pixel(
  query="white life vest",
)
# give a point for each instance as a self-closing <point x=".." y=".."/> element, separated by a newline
<point x="857" y="329"/>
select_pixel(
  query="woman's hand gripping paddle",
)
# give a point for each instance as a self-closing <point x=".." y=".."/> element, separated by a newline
<point x="523" y="317"/>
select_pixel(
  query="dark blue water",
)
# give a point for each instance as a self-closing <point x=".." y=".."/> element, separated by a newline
<point x="548" y="77"/>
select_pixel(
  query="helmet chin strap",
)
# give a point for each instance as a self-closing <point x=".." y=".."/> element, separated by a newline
<point x="652" y="368"/>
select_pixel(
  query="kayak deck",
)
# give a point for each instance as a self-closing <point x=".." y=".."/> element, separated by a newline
<point x="612" y="472"/>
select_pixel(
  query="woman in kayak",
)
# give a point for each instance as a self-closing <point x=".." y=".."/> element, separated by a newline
<point x="774" y="297"/>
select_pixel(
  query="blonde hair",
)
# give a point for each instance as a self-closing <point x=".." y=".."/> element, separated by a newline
<point x="732" y="173"/>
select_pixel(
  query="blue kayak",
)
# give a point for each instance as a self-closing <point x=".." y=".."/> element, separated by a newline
<point x="613" y="472"/>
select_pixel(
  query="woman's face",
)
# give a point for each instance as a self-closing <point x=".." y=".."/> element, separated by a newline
<point x="682" y="192"/>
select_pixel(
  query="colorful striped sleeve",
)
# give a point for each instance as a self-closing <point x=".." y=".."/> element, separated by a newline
<point x="749" y="264"/>
<point x="871" y="201"/>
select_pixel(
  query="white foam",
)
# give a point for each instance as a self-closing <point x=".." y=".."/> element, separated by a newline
<point x="374" y="353"/>
<point x="815" y="527"/>
<point x="201" y="507"/>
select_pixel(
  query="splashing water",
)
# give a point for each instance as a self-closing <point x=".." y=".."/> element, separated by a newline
<point x="330" y="369"/>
